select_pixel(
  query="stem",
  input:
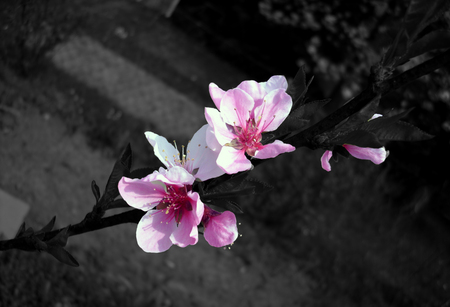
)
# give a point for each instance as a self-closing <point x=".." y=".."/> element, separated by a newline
<point x="301" y="138"/>
<point x="305" y="137"/>
<point x="132" y="216"/>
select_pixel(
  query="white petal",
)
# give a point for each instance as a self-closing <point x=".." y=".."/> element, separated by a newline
<point x="165" y="151"/>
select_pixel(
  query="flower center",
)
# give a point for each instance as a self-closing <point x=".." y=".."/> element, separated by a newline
<point x="247" y="137"/>
<point x="176" y="202"/>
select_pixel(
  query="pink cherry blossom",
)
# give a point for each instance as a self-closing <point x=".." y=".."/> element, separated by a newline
<point x="199" y="160"/>
<point x="243" y="114"/>
<point x="376" y="155"/>
<point x="220" y="228"/>
<point x="173" y="210"/>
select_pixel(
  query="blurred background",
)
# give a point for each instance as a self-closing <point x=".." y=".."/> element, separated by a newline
<point x="80" y="79"/>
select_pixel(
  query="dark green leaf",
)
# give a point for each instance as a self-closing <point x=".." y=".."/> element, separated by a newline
<point x="48" y="227"/>
<point x="60" y="239"/>
<point x="141" y="172"/>
<point x="383" y="122"/>
<point x="233" y="207"/>
<point x="438" y="39"/>
<point x="236" y="186"/>
<point x="224" y="183"/>
<point x="298" y="88"/>
<point x="402" y="131"/>
<point x="95" y="190"/>
<point x="62" y="255"/>
<point x="21" y="230"/>
<point x="397" y="49"/>
<point x="308" y="110"/>
<point x="118" y="203"/>
<point x="121" y="168"/>
<point x="360" y="138"/>
<point x="256" y="185"/>
<point x="28" y="232"/>
<point x="361" y="117"/>
<point x="420" y="14"/>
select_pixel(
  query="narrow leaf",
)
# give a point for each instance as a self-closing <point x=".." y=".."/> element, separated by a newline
<point x="121" y="168"/>
<point x="438" y="39"/>
<point x="402" y="131"/>
<point x="47" y="227"/>
<point x="256" y="185"/>
<point x="360" y="138"/>
<point x="141" y="172"/>
<point x="298" y="85"/>
<point x="308" y="110"/>
<point x="361" y="117"/>
<point x="62" y="255"/>
<point x="420" y="14"/>
<point x="233" y="207"/>
<point x="95" y="190"/>
<point x="383" y="122"/>
<point x="396" y="49"/>
<point x="60" y="239"/>
<point x="118" y="203"/>
<point x="21" y="230"/>
<point x="299" y="88"/>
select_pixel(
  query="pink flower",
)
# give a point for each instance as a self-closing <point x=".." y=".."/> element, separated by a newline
<point x="245" y="113"/>
<point x="220" y="228"/>
<point x="173" y="210"/>
<point x="376" y="155"/>
<point x="199" y="160"/>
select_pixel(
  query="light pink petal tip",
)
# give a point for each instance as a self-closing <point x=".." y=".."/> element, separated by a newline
<point x="153" y="233"/>
<point x="276" y="82"/>
<point x="233" y="161"/>
<point x="272" y="150"/>
<point x="376" y="155"/>
<point x="325" y="160"/>
<point x="141" y="193"/>
<point x="221" y="230"/>
<point x="216" y="94"/>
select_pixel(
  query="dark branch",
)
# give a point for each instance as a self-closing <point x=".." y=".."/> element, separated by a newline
<point x="305" y="137"/>
<point x="23" y="243"/>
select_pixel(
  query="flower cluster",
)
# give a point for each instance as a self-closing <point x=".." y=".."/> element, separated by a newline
<point x="242" y="115"/>
<point x="173" y="208"/>
<point x="232" y="137"/>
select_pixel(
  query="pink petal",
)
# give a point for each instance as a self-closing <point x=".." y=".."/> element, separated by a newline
<point x="376" y="115"/>
<point x="274" y="149"/>
<point x="164" y="150"/>
<point x="201" y="158"/>
<point x="198" y="207"/>
<point x="211" y="139"/>
<point x="274" y="110"/>
<point x="141" y="193"/>
<point x="153" y="232"/>
<point x="221" y="230"/>
<point x="274" y="83"/>
<point x="254" y="89"/>
<point x="222" y="133"/>
<point x="236" y="107"/>
<point x="232" y="160"/>
<point x="175" y="175"/>
<point x="216" y="94"/>
<point x="376" y="155"/>
<point x="186" y="232"/>
<point x="325" y="160"/>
